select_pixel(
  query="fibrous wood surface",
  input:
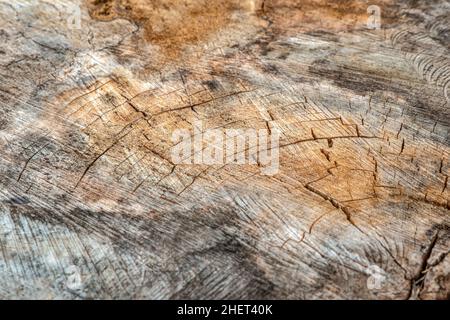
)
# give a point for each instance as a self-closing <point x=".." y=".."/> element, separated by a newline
<point x="92" y="205"/>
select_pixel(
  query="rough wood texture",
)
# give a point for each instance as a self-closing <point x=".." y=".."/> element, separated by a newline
<point x="92" y="206"/>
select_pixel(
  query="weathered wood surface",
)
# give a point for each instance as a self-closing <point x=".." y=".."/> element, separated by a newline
<point x="91" y="205"/>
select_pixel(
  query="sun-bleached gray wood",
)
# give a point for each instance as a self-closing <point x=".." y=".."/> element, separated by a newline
<point x="92" y="205"/>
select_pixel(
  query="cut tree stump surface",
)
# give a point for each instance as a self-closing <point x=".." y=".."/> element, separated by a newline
<point x="93" y="206"/>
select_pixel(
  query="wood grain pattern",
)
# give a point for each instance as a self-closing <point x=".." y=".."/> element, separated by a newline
<point x="92" y="205"/>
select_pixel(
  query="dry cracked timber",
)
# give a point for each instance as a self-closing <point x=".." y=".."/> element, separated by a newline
<point x="92" y="205"/>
